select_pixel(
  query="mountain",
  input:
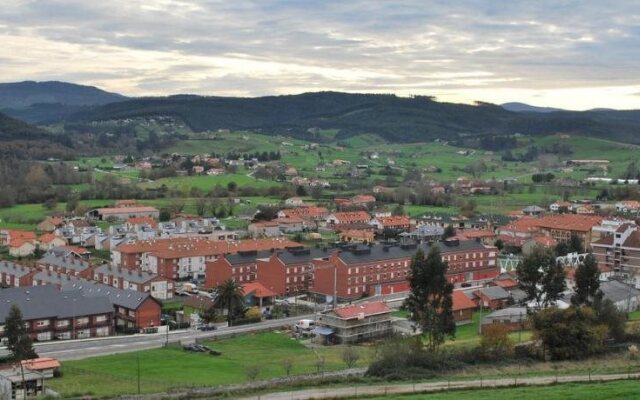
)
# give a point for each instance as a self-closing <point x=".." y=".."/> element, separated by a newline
<point x="396" y="119"/>
<point x="523" y="107"/>
<point x="24" y="94"/>
<point x="19" y="140"/>
<point x="13" y="129"/>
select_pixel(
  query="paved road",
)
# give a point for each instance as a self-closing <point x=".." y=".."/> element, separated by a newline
<point x="77" y="349"/>
<point x="381" y="390"/>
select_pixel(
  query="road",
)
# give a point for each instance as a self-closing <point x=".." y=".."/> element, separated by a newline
<point x="78" y="349"/>
<point x="397" y="389"/>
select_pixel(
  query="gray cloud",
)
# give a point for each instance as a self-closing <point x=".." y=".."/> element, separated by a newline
<point x="270" y="47"/>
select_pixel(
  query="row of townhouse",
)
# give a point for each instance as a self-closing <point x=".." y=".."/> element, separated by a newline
<point x="50" y="314"/>
<point x="183" y="258"/>
<point x="14" y="275"/>
<point x="350" y="271"/>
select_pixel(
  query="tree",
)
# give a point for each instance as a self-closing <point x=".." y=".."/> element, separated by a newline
<point x="449" y="231"/>
<point x="495" y="340"/>
<point x="350" y="356"/>
<point x="499" y="244"/>
<point x="316" y="192"/>
<point x="541" y="277"/>
<point x="587" y="282"/>
<point x="430" y="301"/>
<point x="232" y="186"/>
<point x="575" y="244"/>
<point x="72" y="203"/>
<point x="397" y="210"/>
<point x="230" y="298"/>
<point x="287" y="365"/>
<point x="252" y="372"/>
<point x="567" y="334"/>
<point x="201" y="206"/>
<point x="614" y="319"/>
<point x="18" y="340"/>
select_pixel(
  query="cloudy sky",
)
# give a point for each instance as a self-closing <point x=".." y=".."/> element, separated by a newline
<point x="571" y="54"/>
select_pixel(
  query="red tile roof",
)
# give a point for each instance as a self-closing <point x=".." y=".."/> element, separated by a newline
<point x="124" y="210"/>
<point x="258" y="290"/>
<point x="142" y="221"/>
<point x="366" y="309"/>
<point x="42" y="363"/>
<point x="393" y="221"/>
<point x="461" y="301"/>
<point x="348" y="217"/>
<point x="49" y="237"/>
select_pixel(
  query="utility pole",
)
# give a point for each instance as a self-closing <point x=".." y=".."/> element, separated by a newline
<point x="138" y="362"/>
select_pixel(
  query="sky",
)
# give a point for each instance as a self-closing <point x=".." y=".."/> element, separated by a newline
<point x="569" y="54"/>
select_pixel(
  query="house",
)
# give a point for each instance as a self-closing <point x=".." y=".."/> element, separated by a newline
<point x="310" y="214"/>
<point x="625" y="297"/>
<point x="560" y="207"/>
<point x="15" y="275"/>
<point x="628" y="206"/>
<point x="492" y="297"/>
<point x="363" y="200"/>
<point x="9" y="235"/>
<point x="138" y="280"/>
<point x="51" y="314"/>
<point x="255" y="294"/>
<point x="294" y="202"/>
<point x="196" y="304"/>
<point x="357" y="236"/>
<point x="395" y="222"/>
<point x="463" y="308"/>
<point x="355" y="323"/>
<point x="50" y="240"/>
<point x="123" y="213"/>
<point x="134" y="311"/>
<point x="18" y="385"/>
<point x="290" y="224"/>
<point x="513" y="318"/>
<point x="348" y="217"/>
<point x="50" y="224"/>
<point x="264" y="229"/>
<point x="533" y="210"/>
<point x="44" y="365"/>
<point x="21" y="248"/>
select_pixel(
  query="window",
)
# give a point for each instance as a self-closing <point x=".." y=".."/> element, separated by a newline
<point x="101" y="318"/>
<point x="62" y="323"/>
<point x="44" y="336"/>
<point x="42" y="322"/>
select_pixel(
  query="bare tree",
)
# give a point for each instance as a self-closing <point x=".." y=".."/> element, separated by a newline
<point x="287" y="365"/>
<point x="252" y="372"/>
<point x="320" y="363"/>
<point x="350" y="356"/>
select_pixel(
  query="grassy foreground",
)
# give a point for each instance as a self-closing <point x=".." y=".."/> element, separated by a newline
<point x="166" y="368"/>
<point x="620" y="390"/>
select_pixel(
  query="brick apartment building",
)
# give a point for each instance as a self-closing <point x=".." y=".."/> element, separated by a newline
<point x="51" y="314"/>
<point x="138" y="280"/>
<point x="289" y="271"/>
<point x="383" y="269"/>
<point x="241" y="267"/>
<point x="65" y="264"/>
<point x="15" y="275"/>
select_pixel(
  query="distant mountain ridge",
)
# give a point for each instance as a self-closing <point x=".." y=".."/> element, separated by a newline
<point x="523" y="107"/>
<point x="20" y="95"/>
<point x="396" y="119"/>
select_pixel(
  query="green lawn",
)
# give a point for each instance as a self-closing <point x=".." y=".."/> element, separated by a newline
<point x="468" y="335"/>
<point x="619" y="390"/>
<point x="161" y="369"/>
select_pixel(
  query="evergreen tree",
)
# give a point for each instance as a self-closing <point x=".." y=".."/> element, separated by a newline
<point x="575" y="244"/>
<point x="230" y="298"/>
<point x="430" y="301"/>
<point x="18" y="340"/>
<point x="541" y="277"/>
<point x="587" y="282"/>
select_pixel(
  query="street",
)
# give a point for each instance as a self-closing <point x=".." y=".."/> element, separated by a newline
<point x="78" y="349"/>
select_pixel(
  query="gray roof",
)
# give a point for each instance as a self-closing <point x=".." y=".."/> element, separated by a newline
<point x="126" y="298"/>
<point x="495" y="292"/>
<point x="518" y="295"/>
<point x="137" y="276"/>
<point x="513" y="314"/>
<point x="11" y="268"/>
<point x="39" y="302"/>
<point x="68" y="262"/>
<point x="246" y="257"/>
<point x="617" y="291"/>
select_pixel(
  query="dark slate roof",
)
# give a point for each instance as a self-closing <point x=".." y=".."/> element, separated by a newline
<point x="495" y="292"/>
<point x="40" y="302"/>
<point x="247" y="257"/>
<point x="302" y="255"/>
<point x="380" y="252"/>
<point x="69" y="262"/>
<point x="129" y="275"/>
<point x="11" y="268"/>
<point x="126" y="298"/>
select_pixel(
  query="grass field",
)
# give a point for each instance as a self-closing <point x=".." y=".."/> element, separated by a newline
<point x="162" y="369"/>
<point x="620" y="390"/>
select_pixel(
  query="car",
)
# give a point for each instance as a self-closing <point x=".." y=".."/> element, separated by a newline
<point x="207" y="328"/>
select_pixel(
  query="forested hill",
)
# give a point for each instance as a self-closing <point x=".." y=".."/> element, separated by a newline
<point x="394" y="118"/>
<point x="19" y="140"/>
<point x="13" y="129"/>
<point x="18" y="95"/>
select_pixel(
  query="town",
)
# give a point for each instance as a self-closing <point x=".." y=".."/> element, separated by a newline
<point x="319" y="200"/>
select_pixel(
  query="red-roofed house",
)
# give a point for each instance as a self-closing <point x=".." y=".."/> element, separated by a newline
<point x="43" y="365"/>
<point x="399" y="222"/>
<point x="348" y="217"/>
<point x="357" y="322"/>
<point x="256" y="294"/>
<point x="463" y="307"/>
<point x="49" y="241"/>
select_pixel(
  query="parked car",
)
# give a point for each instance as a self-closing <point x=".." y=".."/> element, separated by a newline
<point x="305" y="325"/>
<point x="207" y="328"/>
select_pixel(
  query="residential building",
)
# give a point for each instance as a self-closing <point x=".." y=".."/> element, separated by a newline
<point x="241" y="267"/>
<point x="620" y="252"/>
<point x="138" y="280"/>
<point x="65" y="264"/>
<point x="513" y="318"/>
<point x="463" y="307"/>
<point x="123" y="213"/>
<point x="289" y="271"/>
<point x="264" y="229"/>
<point x="134" y="311"/>
<point x="348" y="217"/>
<point x="15" y="275"/>
<point x="396" y="222"/>
<point x="625" y="297"/>
<point x="377" y="269"/>
<point x="356" y="323"/>
<point x="18" y="385"/>
<point x="51" y="314"/>
<point x="492" y="297"/>
<point x="628" y="206"/>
